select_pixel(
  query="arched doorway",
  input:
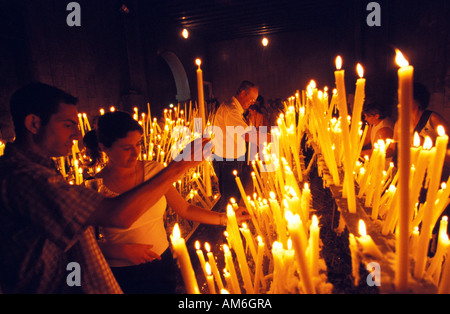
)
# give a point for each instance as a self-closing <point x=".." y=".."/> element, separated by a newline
<point x="179" y="75"/>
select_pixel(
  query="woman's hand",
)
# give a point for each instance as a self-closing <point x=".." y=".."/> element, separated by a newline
<point x="242" y="215"/>
<point x="137" y="253"/>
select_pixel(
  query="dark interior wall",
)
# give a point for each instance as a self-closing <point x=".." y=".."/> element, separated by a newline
<point x="89" y="61"/>
<point x="115" y="58"/>
<point x="418" y="28"/>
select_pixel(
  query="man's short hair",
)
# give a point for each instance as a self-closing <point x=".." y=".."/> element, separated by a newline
<point x="39" y="99"/>
<point x="245" y="86"/>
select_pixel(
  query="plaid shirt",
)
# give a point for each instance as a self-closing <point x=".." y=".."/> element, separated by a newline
<point x="43" y="229"/>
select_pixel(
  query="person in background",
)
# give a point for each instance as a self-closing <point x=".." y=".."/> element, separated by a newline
<point x="381" y="127"/>
<point x="47" y="243"/>
<point x="423" y="121"/>
<point x="230" y="147"/>
<point x="139" y="256"/>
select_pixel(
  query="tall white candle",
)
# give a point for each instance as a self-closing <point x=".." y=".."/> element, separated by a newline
<point x="295" y="227"/>
<point x="405" y="96"/>
<point x="184" y="261"/>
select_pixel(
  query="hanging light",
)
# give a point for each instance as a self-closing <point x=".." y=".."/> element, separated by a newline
<point x="185" y="33"/>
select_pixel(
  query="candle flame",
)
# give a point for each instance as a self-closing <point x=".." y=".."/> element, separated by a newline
<point x="441" y="130"/>
<point x="338" y="62"/>
<point x="230" y="210"/>
<point x="272" y="195"/>
<point x="226" y="249"/>
<point x="416" y="139"/>
<point x="292" y="191"/>
<point x="360" y="70"/>
<point x="260" y="241"/>
<point x="362" y="228"/>
<point x="312" y="84"/>
<point x="445" y="218"/>
<point x="428" y="143"/>
<point x="185" y="33"/>
<point x="315" y="222"/>
<point x="277" y="245"/>
<point x="400" y="59"/>
<point x="198" y="62"/>
<point x="208" y="268"/>
<point x="381" y="145"/>
<point x="306" y="186"/>
<point x="207" y="247"/>
<point x="197" y="245"/>
<point x="235" y="172"/>
<point x="176" y="234"/>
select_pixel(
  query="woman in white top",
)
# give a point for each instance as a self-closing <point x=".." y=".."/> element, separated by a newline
<point x="381" y="127"/>
<point x="139" y="256"/>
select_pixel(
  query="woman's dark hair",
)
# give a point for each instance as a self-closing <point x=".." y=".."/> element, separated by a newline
<point x="39" y="99"/>
<point x="110" y="127"/>
<point x="421" y="95"/>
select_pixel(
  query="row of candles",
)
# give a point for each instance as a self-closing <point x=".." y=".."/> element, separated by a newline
<point x="392" y="194"/>
<point x="281" y="238"/>
<point x="389" y="193"/>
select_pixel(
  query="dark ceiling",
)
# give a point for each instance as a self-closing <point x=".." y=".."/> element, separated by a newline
<point x="229" y="19"/>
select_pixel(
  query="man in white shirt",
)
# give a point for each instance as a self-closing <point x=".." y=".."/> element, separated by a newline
<point x="230" y="147"/>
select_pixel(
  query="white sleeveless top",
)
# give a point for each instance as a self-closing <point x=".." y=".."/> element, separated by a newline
<point x="385" y="123"/>
<point x="147" y="229"/>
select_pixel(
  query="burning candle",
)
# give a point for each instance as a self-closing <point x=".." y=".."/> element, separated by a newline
<point x="355" y="258"/>
<point x="306" y="199"/>
<point x="213" y="266"/>
<point x="81" y="124"/>
<point x="435" y="169"/>
<point x="201" y="104"/>
<point x="241" y="189"/>
<point x="369" y="247"/>
<point x="421" y="166"/>
<point x="259" y="261"/>
<point x="184" y="261"/>
<point x="314" y="245"/>
<point x="228" y="280"/>
<point x="201" y="100"/>
<point x="405" y="96"/>
<point x="357" y="105"/>
<point x="249" y="240"/>
<point x="210" y="279"/>
<point x="201" y="257"/>
<point x="86" y="122"/>
<point x="239" y="249"/>
<point x="443" y="245"/>
<point x="279" y="221"/>
<point x="295" y="228"/>
<point x="230" y="267"/>
<point x="349" y="187"/>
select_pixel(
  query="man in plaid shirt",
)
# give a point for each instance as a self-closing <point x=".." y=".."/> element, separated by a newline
<point x="45" y="223"/>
